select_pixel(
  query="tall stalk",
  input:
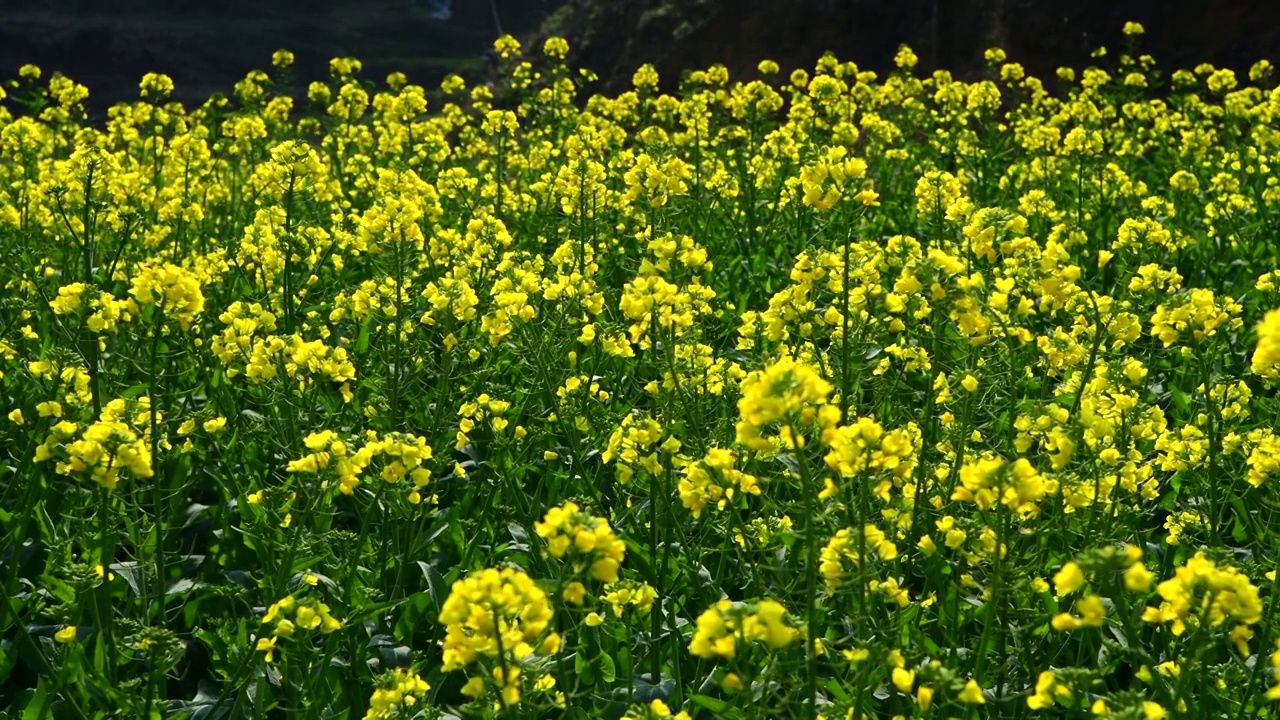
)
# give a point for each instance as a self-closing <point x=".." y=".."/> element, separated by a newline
<point x="810" y="493"/>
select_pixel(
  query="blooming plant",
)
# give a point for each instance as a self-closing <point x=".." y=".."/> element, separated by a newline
<point x="810" y="394"/>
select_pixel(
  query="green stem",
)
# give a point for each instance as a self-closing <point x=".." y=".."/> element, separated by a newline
<point x="655" y="630"/>
<point x="811" y="579"/>
<point x="157" y="467"/>
<point x="502" y="661"/>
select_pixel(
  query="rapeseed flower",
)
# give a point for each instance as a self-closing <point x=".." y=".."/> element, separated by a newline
<point x="784" y="394"/>
<point x="1202" y="591"/>
<point x="570" y="531"/>
<point x="1266" y="355"/>
<point x="721" y="627"/>
<point x="494" y="614"/>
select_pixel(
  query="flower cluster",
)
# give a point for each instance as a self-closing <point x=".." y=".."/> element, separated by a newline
<point x="584" y="537"/>
<point x="119" y="440"/>
<point x="289" y="615"/>
<point x="105" y="311"/>
<point x="632" y="445"/>
<point x="171" y="288"/>
<point x="715" y="480"/>
<point x="1266" y="355"/>
<point x="1202" y="592"/>
<point x="784" y="398"/>
<point x="991" y="480"/>
<point x="496" y="614"/>
<point x="402" y="456"/>
<point x="403" y="689"/>
<point x="721" y="627"/>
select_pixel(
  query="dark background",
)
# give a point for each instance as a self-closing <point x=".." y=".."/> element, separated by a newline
<point x="206" y="45"/>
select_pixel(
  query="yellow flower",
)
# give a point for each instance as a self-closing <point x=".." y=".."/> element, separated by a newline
<point x="343" y="67"/>
<point x="1092" y="610"/>
<point x="719" y="627"/>
<point x="1069" y="579"/>
<point x="174" y="289"/>
<point x="768" y="624"/>
<point x="828" y="179"/>
<point x="507" y="47"/>
<point x="575" y="593"/>
<point x="156" y="86"/>
<point x="903" y="679"/>
<point x="1224" y="593"/>
<point x="1137" y="578"/>
<point x="972" y="693"/>
<point x="785" y="392"/>
<point x="474" y="687"/>
<point x="1065" y="622"/>
<point x="66" y="635"/>
<point x="401" y="689"/>
<point x="1047" y="688"/>
<point x="556" y="47"/>
<point x="509" y="598"/>
<point x="927" y="545"/>
<point x="924" y="697"/>
<point x="905" y="59"/>
<point x="1266" y="355"/>
<point x="268" y="647"/>
<point x="856" y="655"/>
<point x="588" y="539"/>
<point x="843" y="547"/>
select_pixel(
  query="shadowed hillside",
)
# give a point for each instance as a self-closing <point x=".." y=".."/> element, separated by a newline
<point x="206" y="46"/>
<point x="615" y="37"/>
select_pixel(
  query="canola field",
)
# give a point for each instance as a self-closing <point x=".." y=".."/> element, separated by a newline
<point x="814" y="394"/>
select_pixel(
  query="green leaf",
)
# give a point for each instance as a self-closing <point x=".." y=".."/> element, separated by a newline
<point x="584" y="669"/>
<point x="608" y="672"/>
<point x="183" y="585"/>
<point x="418" y="609"/>
<point x="1239" y="532"/>
<point x="132" y="574"/>
<point x="38" y="706"/>
<point x="435" y="585"/>
<point x="721" y="708"/>
<point x="362" y="342"/>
